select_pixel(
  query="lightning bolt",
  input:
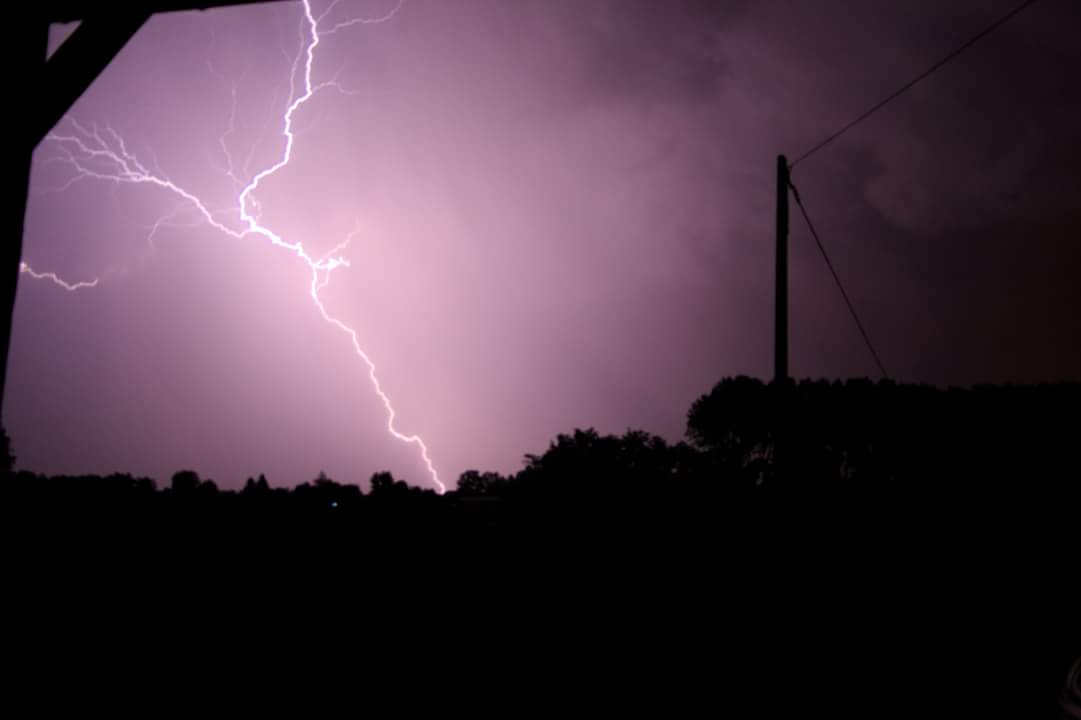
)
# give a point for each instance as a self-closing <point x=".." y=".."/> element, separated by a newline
<point x="101" y="154"/>
<point x="70" y="287"/>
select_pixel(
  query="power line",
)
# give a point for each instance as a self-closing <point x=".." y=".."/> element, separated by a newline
<point x="893" y="96"/>
<point x="840" y="285"/>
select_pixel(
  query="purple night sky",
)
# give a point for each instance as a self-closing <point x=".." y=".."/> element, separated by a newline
<point x="565" y="213"/>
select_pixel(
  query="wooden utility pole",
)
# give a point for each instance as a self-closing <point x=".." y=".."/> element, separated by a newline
<point x="780" y="319"/>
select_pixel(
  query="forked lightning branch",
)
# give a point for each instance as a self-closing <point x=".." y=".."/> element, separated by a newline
<point x="100" y="154"/>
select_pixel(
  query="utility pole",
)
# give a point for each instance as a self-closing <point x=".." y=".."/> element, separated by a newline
<point x="781" y="459"/>
<point x="780" y="318"/>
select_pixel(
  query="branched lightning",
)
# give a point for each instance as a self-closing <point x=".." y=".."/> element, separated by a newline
<point x="101" y="154"/>
<point x="70" y="287"/>
<point x="358" y="20"/>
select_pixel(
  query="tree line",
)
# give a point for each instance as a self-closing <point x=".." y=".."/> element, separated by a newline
<point x="927" y="536"/>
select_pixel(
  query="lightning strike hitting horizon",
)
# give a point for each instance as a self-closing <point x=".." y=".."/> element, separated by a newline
<point x="101" y="154"/>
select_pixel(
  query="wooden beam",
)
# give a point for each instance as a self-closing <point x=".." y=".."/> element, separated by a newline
<point x="77" y="63"/>
<point x="64" y="11"/>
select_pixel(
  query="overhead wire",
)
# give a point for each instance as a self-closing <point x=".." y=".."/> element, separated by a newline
<point x="922" y="76"/>
<point x="840" y="285"/>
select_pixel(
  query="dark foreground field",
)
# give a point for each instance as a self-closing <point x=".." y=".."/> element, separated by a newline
<point x="814" y="550"/>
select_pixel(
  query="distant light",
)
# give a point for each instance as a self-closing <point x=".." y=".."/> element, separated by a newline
<point x="334" y="503"/>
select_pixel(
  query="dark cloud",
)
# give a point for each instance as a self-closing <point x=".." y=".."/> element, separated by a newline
<point x="644" y="52"/>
